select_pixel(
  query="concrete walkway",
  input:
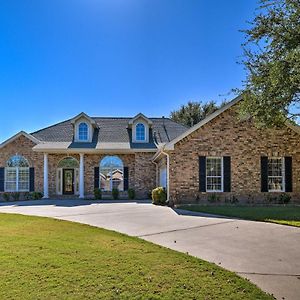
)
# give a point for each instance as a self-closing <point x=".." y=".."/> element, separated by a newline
<point x="267" y="254"/>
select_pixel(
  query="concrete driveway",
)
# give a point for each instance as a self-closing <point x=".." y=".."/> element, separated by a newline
<point x="267" y="254"/>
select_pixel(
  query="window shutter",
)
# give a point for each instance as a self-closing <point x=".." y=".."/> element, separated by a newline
<point x="96" y="178"/>
<point x="288" y="174"/>
<point x="2" y="170"/>
<point x="126" y="178"/>
<point x="264" y="173"/>
<point x="227" y="174"/>
<point x="31" y="179"/>
<point x="202" y="173"/>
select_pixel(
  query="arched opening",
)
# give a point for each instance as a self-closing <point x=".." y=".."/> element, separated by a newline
<point x="17" y="174"/>
<point x="111" y="173"/>
<point x="83" y="132"/>
<point x="67" y="176"/>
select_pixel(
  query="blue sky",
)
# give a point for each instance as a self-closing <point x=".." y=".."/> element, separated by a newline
<point x="115" y="57"/>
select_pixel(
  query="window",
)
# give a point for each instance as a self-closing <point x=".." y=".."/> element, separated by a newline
<point x="276" y="174"/>
<point x="140" y="132"/>
<point x="83" y="132"/>
<point x="111" y="173"/>
<point x="17" y="174"/>
<point x="214" y="174"/>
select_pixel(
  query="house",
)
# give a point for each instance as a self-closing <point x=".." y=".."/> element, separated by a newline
<point x="222" y="156"/>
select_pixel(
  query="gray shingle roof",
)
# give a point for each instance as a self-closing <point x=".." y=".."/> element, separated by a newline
<point x="112" y="130"/>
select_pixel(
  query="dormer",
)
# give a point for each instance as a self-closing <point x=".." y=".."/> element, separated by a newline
<point x="84" y="127"/>
<point x="140" y="126"/>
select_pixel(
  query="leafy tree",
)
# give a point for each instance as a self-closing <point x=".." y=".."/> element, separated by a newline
<point x="272" y="60"/>
<point x="193" y="112"/>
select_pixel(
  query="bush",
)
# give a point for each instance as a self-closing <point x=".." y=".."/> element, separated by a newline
<point x="115" y="193"/>
<point x="15" y="196"/>
<point x="159" y="196"/>
<point x="36" y="195"/>
<point x="97" y="194"/>
<point x="6" y="196"/>
<point x="131" y="194"/>
<point x="213" y="198"/>
<point x="27" y="196"/>
<point x="284" y="198"/>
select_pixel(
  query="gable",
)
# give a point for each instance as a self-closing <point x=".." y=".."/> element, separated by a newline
<point x="18" y="136"/>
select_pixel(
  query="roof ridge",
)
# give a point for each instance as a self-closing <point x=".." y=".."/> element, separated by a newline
<point x="44" y="128"/>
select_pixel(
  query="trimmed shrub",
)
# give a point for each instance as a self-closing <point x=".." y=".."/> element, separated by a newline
<point x="284" y="198"/>
<point x="15" y="196"/>
<point x="115" y="193"/>
<point x="213" y="198"/>
<point x="36" y="195"/>
<point x="6" y="196"/>
<point x="159" y="196"/>
<point x="27" y="196"/>
<point x="97" y="194"/>
<point x="131" y="194"/>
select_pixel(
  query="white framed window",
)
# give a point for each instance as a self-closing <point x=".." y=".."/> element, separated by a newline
<point x="140" y="132"/>
<point x="111" y="173"/>
<point x="83" y="132"/>
<point x="276" y="174"/>
<point x="17" y="177"/>
<point x="214" y="174"/>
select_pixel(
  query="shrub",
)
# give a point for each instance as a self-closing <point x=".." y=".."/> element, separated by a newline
<point x="131" y="194"/>
<point x="115" y="193"/>
<point x="284" y="198"/>
<point x="159" y="196"/>
<point x="36" y="195"/>
<point x="6" y="196"/>
<point x="27" y="196"/>
<point x="213" y="198"/>
<point x="15" y="196"/>
<point x="97" y="194"/>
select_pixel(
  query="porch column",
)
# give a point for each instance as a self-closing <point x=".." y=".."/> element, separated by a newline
<point x="46" y="193"/>
<point x="81" y="176"/>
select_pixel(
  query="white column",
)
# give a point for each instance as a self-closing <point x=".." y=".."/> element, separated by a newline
<point x="46" y="193"/>
<point x="81" y="176"/>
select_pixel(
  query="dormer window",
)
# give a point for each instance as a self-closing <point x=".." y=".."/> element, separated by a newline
<point x="83" y="132"/>
<point x="140" y="132"/>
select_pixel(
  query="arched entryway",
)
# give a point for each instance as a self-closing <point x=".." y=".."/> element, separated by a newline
<point x="67" y="178"/>
<point x="111" y="173"/>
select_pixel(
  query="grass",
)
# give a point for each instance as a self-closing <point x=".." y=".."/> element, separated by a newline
<point x="286" y="215"/>
<point x="43" y="258"/>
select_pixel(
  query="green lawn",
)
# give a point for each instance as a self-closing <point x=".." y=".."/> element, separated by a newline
<point x="287" y="215"/>
<point x="43" y="258"/>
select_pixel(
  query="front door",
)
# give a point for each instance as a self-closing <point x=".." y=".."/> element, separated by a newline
<point x="68" y="181"/>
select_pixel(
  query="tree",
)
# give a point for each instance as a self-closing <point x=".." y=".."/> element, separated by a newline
<point x="272" y="61"/>
<point x="193" y="112"/>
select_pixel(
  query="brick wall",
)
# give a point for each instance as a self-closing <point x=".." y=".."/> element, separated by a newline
<point x="226" y="135"/>
<point x="23" y="146"/>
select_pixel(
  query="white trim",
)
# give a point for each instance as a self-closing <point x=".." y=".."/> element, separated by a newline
<point x="146" y="126"/>
<point x="140" y="116"/>
<point x="170" y="145"/>
<point x="16" y="136"/>
<point x="282" y="177"/>
<point x="17" y="181"/>
<point x="222" y="175"/>
<point x="84" y="116"/>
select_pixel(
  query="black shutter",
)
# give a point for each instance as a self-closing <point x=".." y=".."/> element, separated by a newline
<point x="31" y="179"/>
<point x="2" y="170"/>
<point x="264" y="173"/>
<point x="126" y="178"/>
<point x="202" y="173"/>
<point x="96" y="177"/>
<point x="288" y="174"/>
<point x="227" y="174"/>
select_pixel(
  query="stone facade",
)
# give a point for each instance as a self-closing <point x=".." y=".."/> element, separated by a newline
<point x="226" y="135"/>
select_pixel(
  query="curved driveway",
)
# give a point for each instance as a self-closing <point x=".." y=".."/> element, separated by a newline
<point x="267" y="254"/>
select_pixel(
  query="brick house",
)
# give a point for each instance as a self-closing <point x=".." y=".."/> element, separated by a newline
<point x="222" y="156"/>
